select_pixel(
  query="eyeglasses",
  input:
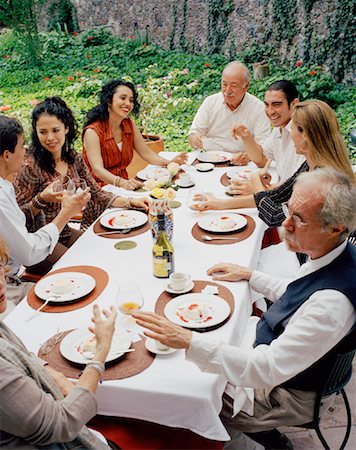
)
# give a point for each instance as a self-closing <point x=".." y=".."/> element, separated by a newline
<point x="298" y="222"/>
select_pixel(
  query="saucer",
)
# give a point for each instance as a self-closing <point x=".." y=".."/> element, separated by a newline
<point x="188" y="288"/>
<point x="178" y="183"/>
<point x="151" y="347"/>
<point x="204" y="167"/>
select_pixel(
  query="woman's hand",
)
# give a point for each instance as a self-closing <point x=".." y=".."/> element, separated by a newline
<point x="140" y="203"/>
<point x="181" y="158"/>
<point x="48" y="195"/>
<point x="240" y="187"/>
<point x="203" y="202"/>
<point x="103" y="330"/>
<point x="130" y="184"/>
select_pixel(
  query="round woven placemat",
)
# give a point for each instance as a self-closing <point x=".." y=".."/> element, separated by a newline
<point x="240" y="235"/>
<point x="225" y="180"/>
<point x="98" y="228"/>
<point x="217" y="164"/>
<point x="128" y="365"/>
<point x="101" y="280"/>
<point x="199" y="285"/>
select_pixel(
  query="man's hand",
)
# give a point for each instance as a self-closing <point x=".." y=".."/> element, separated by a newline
<point x="240" y="131"/>
<point x="240" y="159"/>
<point x="163" y="330"/>
<point x="73" y="204"/>
<point x="229" y="272"/>
<point x="205" y="202"/>
<point x="60" y="380"/>
<point x="196" y="141"/>
<point x="240" y="187"/>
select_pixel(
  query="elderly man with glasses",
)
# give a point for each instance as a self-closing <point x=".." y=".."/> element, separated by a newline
<point x="294" y="345"/>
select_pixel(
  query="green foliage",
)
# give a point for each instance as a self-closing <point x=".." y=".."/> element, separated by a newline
<point x="284" y="19"/>
<point x="218" y="23"/>
<point x="171" y="84"/>
<point x="62" y="15"/>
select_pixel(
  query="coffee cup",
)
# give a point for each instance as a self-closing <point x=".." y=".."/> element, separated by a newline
<point x="178" y="281"/>
<point x="160" y="346"/>
<point x="185" y="179"/>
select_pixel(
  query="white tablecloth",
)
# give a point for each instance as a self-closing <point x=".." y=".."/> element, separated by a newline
<point x="171" y="391"/>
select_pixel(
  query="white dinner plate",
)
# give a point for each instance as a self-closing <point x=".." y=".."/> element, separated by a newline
<point x="222" y="223"/>
<point x="123" y="219"/>
<point x="71" y="346"/>
<point x="204" y="167"/>
<point x="241" y="170"/>
<point x="182" y="185"/>
<point x="188" y="288"/>
<point x="66" y="286"/>
<point x="212" y="308"/>
<point x="151" y="347"/>
<point x="214" y="157"/>
<point x="152" y="173"/>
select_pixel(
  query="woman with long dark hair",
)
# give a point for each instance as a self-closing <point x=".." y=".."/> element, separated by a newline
<point x="110" y="137"/>
<point x="52" y="155"/>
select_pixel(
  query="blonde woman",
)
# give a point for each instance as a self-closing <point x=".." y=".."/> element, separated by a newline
<point x="316" y="135"/>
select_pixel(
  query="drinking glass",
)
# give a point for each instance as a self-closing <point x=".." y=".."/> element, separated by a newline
<point x="196" y="196"/>
<point x="80" y="184"/>
<point x="60" y="182"/>
<point x="129" y="298"/>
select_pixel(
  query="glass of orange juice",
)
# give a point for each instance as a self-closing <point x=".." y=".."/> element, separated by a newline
<point x="129" y="299"/>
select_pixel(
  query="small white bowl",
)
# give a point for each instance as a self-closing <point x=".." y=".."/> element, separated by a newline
<point x="204" y="167"/>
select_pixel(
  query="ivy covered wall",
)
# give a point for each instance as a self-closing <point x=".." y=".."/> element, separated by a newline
<point x="317" y="32"/>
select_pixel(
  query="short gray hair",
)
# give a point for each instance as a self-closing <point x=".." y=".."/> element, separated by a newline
<point x="239" y="65"/>
<point x="338" y="193"/>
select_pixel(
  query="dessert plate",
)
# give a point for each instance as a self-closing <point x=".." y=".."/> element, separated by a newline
<point x="182" y="185"/>
<point x="243" y="171"/>
<point x="197" y="310"/>
<point x="151" y="347"/>
<point x="204" y="167"/>
<point x="222" y="223"/>
<point x="123" y="219"/>
<point x="72" y="346"/>
<point x="188" y="288"/>
<point x="66" y="286"/>
<point x="152" y="173"/>
<point x="214" y="157"/>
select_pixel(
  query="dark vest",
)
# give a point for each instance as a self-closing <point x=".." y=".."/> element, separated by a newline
<point x="339" y="275"/>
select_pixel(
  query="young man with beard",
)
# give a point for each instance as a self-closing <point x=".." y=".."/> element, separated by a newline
<point x="295" y="343"/>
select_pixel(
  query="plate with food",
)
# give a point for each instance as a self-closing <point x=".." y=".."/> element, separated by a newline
<point x="123" y="219"/>
<point x="214" y="157"/>
<point x="152" y="173"/>
<point x="79" y="346"/>
<point x="222" y="223"/>
<point x="241" y="172"/>
<point x="197" y="310"/>
<point x="65" y="286"/>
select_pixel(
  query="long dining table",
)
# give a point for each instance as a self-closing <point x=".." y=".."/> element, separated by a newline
<point x="171" y="391"/>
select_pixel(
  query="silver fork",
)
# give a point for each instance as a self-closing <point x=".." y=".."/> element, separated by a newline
<point x="210" y="238"/>
<point x="50" y="298"/>
<point x="105" y="233"/>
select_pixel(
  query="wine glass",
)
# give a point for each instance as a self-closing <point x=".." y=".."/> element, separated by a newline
<point x="195" y="197"/>
<point x="80" y="184"/>
<point x="59" y="183"/>
<point x="129" y="299"/>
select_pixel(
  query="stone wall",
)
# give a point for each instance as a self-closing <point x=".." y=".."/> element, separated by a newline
<point x="250" y="22"/>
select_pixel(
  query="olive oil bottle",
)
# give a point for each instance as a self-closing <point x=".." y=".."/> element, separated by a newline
<point x="162" y="251"/>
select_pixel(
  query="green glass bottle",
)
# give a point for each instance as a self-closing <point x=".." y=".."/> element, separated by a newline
<point x="162" y="251"/>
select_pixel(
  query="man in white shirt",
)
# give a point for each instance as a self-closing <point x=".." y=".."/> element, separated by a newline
<point x="280" y="98"/>
<point x="219" y="113"/>
<point x="296" y="341"/>
<point x="25" y="248"/>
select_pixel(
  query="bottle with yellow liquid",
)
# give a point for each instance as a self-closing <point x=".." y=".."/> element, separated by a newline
<point x="162" y="251"/>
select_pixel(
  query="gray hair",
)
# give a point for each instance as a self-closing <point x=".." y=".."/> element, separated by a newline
<point x="338" y="193"/>
<point x="237" y="65"/>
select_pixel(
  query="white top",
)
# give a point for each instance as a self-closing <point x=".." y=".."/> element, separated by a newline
<point x="279" y="147"/>
<point x="215" y="120"/>
<point x="315" y="328"/>
<point x="25" y="248"/>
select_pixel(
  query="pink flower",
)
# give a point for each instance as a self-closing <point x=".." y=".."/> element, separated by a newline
<point x="298" y="63"/>
<point x="312" y="72"/>
<point x="169" y="94"/>
<point x="139" y="86"/>
<point x="90" y="38"/>
<point x="185" y="71"/>
<point x="34" y="102"/>
<point x="132" y="36"/>
<point x="5" y="107"/>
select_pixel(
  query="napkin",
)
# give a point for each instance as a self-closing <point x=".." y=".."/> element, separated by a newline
<point x="210" y="289"/>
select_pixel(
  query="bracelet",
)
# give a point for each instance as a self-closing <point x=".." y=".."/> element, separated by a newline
<point x="38" y="203"/>
<point x="117" y="181"/>
<point x="96" y="365"/>
<point x="128" y="203"/>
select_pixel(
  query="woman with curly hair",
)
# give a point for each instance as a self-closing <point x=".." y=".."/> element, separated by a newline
<point x="51" y="155"/>
<point x="110" y="137"/>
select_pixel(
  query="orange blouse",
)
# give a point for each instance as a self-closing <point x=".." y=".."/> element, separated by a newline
<point x="114" y="159"/>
